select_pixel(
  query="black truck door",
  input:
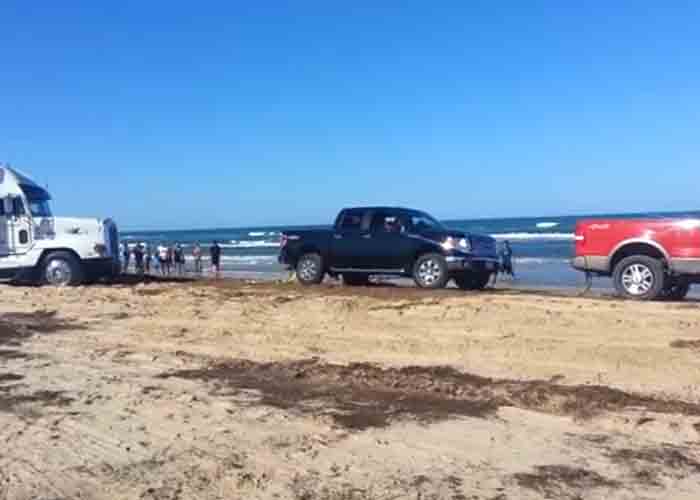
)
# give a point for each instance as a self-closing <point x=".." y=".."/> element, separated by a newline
<point x="350" y="241"/>
<point x="390" y="247"/>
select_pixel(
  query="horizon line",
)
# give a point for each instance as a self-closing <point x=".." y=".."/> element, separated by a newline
<point x="446" y="220"/>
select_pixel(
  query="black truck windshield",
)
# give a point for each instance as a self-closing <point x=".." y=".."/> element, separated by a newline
<point x="421" y="221"/>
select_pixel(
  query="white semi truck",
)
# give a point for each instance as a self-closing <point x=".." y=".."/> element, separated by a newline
<point x="37" y="247"/>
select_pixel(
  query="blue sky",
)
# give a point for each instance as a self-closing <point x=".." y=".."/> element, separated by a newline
<point x="181" y="114"/>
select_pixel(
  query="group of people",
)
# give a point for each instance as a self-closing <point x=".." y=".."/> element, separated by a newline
<point x="168" y="260"/>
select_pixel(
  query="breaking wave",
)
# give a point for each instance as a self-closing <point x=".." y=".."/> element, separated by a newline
<point x="534" y="236"/>
<point x="251" y="244"/>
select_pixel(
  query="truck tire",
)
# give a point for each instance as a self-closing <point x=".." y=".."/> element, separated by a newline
<point x="639" y="277"/>
<point x="430" y="271"/>
<point x="61" y="269"/>
<point x="310" y="269"/>
<point x="473" y="281"/>
<point x="676" y="291"/>
<point x="356" y="279"/>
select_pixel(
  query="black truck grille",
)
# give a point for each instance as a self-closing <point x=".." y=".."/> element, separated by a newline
<point x="484" y="246"/>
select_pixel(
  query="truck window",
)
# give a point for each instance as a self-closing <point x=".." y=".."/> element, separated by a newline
<point x="385" y="222"/>
<point x="423" y="222"/>
<point x="19" y="207"/>
<point x="352" y="220"/>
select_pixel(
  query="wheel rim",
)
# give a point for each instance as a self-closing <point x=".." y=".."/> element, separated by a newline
<point x="637" y="279"/>
<point x="429" y="272"/>
<point x="307" y="270"/>
<point x="58" y="273"/>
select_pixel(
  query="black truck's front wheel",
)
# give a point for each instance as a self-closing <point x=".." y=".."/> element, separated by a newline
<point x="430" y="271"/>
<point x="310" y="269"/>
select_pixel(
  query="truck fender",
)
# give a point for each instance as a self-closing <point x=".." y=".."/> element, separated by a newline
<point x="637" y="246"/>
<point x="48" y="251"/>
<point x="428" y="246"/>
<point x="309" y="248"/>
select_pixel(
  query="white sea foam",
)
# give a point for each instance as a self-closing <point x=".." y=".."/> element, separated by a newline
<point x="546" y="225"/>
<point x="250" y="260"/>
<point x="534" y="236"/>
<point x="257" y="234"/>
<point x="251" y="244"/>
<point x="540" y="260"/>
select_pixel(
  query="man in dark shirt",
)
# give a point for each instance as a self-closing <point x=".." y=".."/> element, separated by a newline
<point x="215" y="253"/>
<point x="507" y="260"/>
<point x="127" y="256"/>
<point x="138" y="258"/>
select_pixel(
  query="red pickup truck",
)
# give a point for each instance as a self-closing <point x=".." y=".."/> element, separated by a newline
<point x="647" y="258"/>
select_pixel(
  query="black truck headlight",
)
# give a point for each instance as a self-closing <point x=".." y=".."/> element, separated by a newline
<point x="464" y="245"/>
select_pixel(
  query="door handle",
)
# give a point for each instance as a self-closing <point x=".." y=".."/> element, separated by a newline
<point x="366" y="236"/>
<point x="338" y="236"/>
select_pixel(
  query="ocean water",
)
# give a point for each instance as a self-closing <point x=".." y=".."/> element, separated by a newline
<point x="542" y="246"/>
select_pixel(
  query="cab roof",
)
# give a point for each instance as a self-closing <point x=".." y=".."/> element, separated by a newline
<point x="15" y="182"/>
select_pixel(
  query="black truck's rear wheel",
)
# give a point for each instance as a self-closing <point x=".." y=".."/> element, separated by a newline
<point x="310" y="269"/>
<point x="473" y="281"/>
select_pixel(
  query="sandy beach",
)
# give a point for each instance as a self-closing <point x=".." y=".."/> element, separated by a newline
<point x="265" y="390"/>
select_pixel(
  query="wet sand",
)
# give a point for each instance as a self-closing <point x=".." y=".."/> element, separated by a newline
<point x="237" y="390"/>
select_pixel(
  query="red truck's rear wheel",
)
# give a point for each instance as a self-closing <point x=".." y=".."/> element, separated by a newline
<point x="639" y="277"/>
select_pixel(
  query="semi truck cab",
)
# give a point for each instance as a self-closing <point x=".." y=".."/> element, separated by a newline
<point x="37" y="247"/>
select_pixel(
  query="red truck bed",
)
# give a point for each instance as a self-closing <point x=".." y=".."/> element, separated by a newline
<point x="647" y="247"/>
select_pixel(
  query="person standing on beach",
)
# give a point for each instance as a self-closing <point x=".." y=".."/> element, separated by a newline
<point x="127" y="256"/>
<point x="507" y="260"/>
<point x="179" y="257"/>
<point x="147" y="256"/>
<point x="197" y="256"/>
<point x="215" y="253"/>
<point x="170" y="260"/>
<point x="138" y="259"/>
<point x="163" y="259"/>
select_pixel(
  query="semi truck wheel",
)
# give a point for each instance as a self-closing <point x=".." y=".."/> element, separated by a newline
<point x="473" y="281"/>
<point x="61" y="269"/>
<point x="430" y="271"/>
<point x="310" y="269"/>
<point x="639" y="277"/>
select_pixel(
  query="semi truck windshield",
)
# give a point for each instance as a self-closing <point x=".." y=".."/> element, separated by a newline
<point x="40" y="208"/>
<point x="38" y="200"/>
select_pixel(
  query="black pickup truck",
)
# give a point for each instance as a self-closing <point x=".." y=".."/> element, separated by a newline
<point x="390" y="241"/>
